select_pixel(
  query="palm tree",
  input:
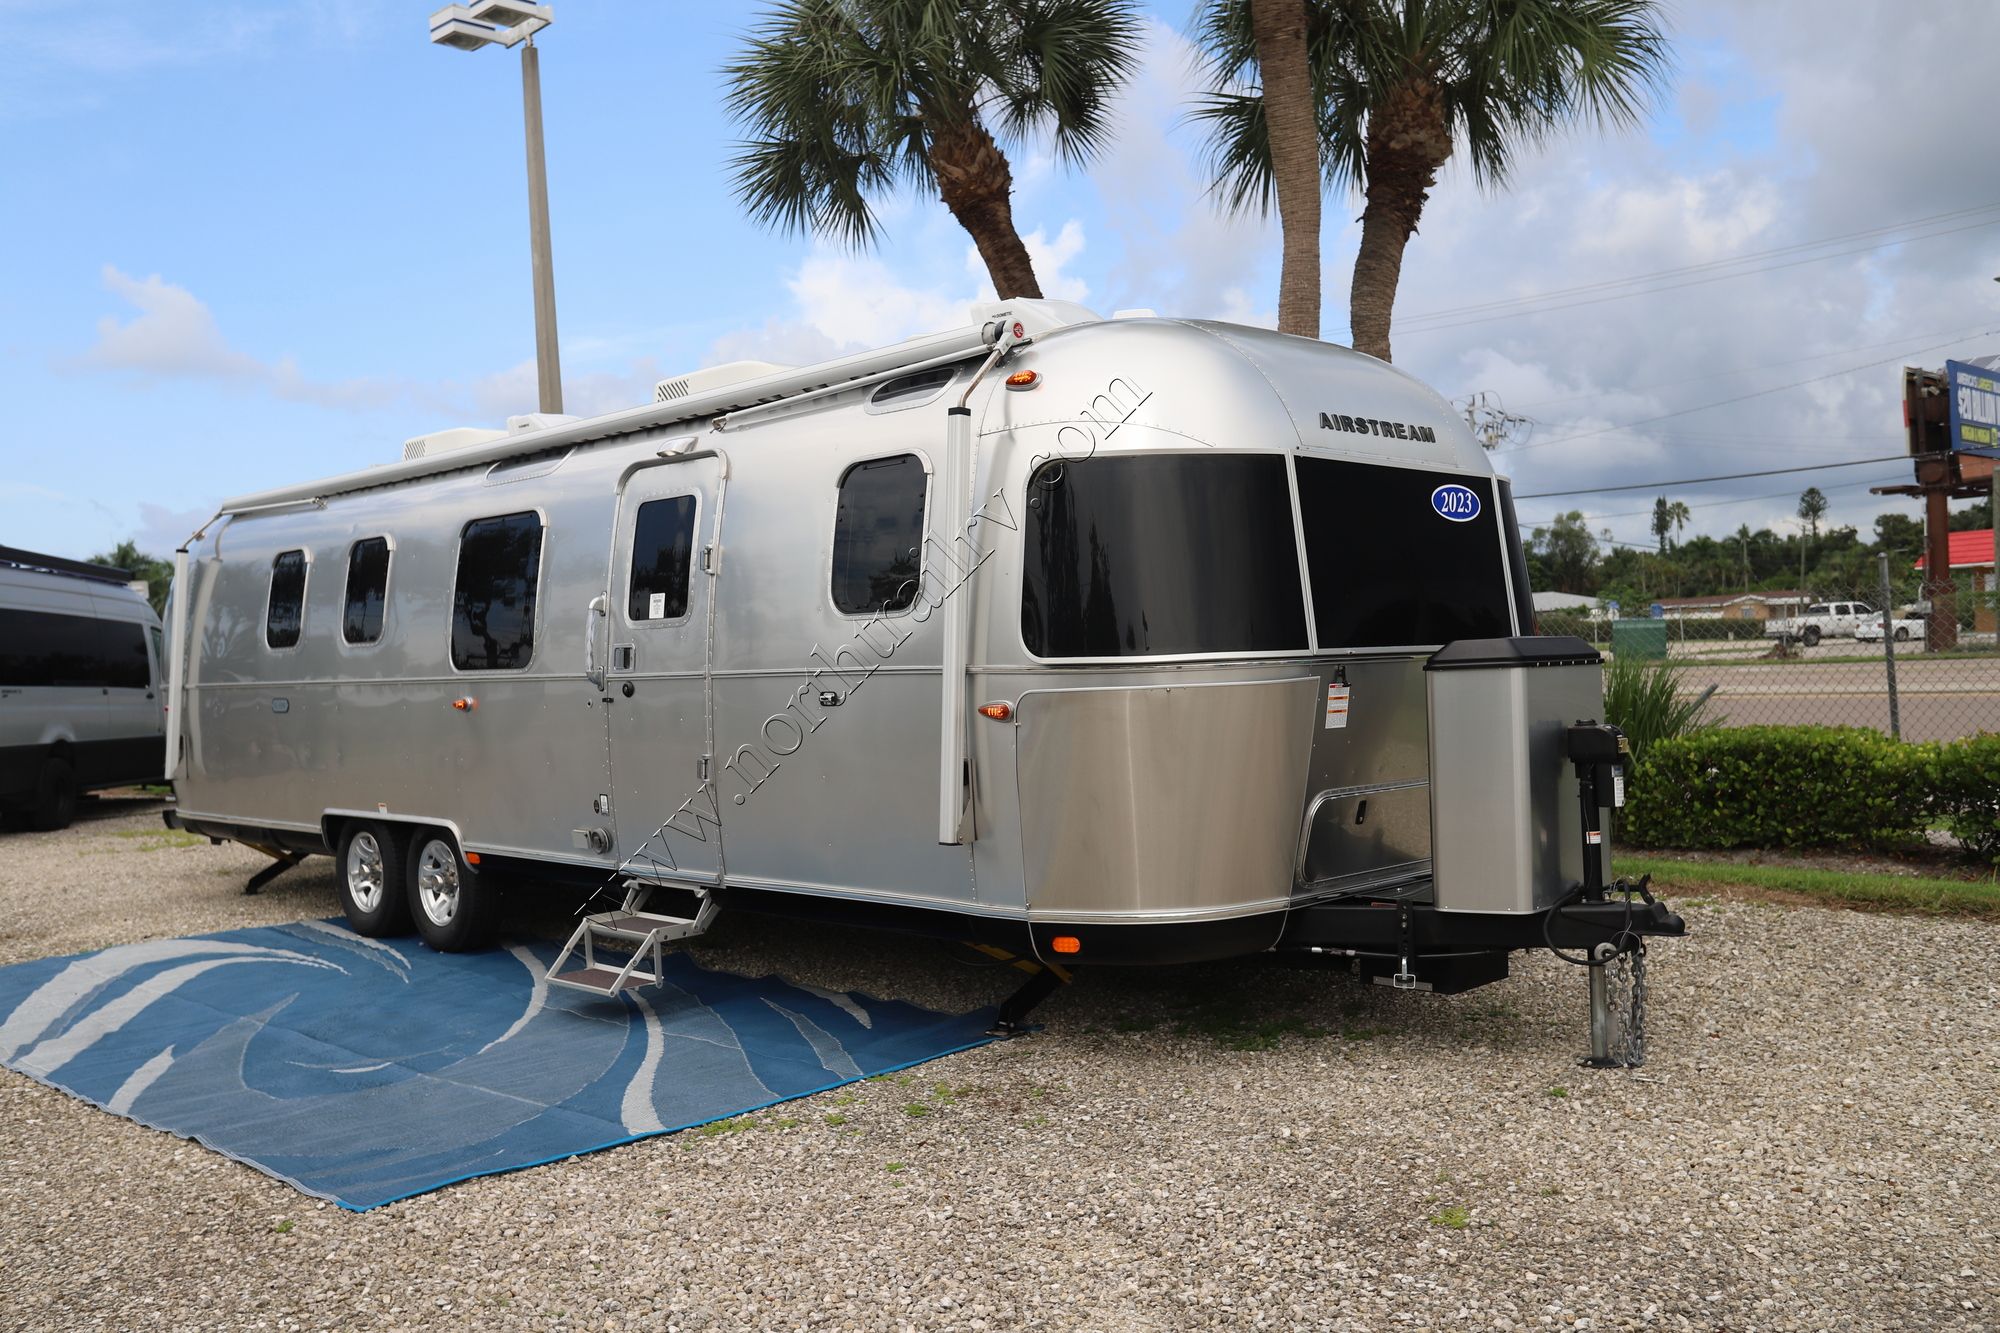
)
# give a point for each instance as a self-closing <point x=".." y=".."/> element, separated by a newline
<point x="1663" y="521"/>
<point x="1278" y="30"/>
<point x="1678" y="514"/>
<point x="1400" y="85"/>
<point x="846" y="99"/>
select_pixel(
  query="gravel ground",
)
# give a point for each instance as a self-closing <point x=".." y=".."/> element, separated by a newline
<point x="1812" y="1146"/>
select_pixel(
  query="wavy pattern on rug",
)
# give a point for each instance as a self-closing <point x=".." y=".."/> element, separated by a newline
<point x="365" y="1071"/>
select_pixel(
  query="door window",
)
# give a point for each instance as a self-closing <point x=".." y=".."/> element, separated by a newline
<point x="878" y="535"/>
<point x="493" y="601"/>
<point x="285" y="613"/>
<point x="662" y="556"/>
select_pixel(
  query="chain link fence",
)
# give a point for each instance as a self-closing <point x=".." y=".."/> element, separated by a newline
<point x="1934" y="675"/>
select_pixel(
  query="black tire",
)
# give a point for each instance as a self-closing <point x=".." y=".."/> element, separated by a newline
<point x="54" y="806"/>
<point x="451" y="903"/>
<point x="372" y="862"/>
<point x="1902" y="634"/>
<point x="1811" y="636"/>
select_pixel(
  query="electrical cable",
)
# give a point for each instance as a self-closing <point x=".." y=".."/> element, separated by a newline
<point x="1400" y="330"/>
<point x="1744" y="370"/>
<point x="1706" y="265"/>
<point x="1742" y="397"/>
<point x="1697" y="481"/>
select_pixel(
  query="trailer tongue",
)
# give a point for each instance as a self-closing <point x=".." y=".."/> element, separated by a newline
<point x="1521" y="776"/>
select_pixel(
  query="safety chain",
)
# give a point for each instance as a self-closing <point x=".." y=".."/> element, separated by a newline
<point x="1625" y="979"/>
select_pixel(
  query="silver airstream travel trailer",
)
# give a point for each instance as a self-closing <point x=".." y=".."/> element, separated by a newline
<point x="1099" y="640"/>
<point x="80" y="671"/>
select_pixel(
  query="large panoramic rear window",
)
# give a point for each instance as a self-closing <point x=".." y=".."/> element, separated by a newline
<point x="1157" y="554"/>
<point x="1401" y="557"/>
<point x="493" y="604"/>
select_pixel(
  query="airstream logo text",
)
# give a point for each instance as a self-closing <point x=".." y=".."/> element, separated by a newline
<point x="1395" y="430"/>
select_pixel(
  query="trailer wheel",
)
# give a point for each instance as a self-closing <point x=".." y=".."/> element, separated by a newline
<point x="374" y="865"/>
<point x="449" y="900"/>
<point x="55" y="796"/>
<point x="1811" y="636"/>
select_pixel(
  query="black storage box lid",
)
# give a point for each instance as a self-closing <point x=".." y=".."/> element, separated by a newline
<point x="1539" y="650"/>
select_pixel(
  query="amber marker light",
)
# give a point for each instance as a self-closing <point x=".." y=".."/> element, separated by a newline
<point x="1024" y="379"/>
<point x="1066" y="944"/>
<point x="998" y="712"/>
<point x="472" y="858"/>
<point x="465" y="705"/>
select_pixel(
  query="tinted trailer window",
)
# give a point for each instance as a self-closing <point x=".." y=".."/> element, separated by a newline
<point x="493" y="603"/>
<point x="1155" y="554"/>
<point x="1395" y="563"/>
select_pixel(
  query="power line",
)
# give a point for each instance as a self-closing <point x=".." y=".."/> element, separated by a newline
<point x="1697" y="481"/>
<point x="1707" y="265"/>
<point x="1719" y="504"/>
<point x="1744" y="397"/>
<point x="1697" y="282"/>
<point x="1746" y="370"/>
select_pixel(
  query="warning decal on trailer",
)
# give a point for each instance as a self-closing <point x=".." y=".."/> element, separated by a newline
<point x="1336" y="706"/>
<point x="656" y="606"/>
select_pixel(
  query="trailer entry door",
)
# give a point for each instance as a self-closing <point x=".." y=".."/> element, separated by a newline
<point x="657" y="676"/>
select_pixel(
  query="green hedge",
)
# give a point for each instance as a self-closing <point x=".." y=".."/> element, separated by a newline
<point x="1965" y="786"/>
<point x="1780" y="787"/>
<point x="1813" y="787"/>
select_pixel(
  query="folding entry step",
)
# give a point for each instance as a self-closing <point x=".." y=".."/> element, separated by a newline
<point x="631" y="928"/>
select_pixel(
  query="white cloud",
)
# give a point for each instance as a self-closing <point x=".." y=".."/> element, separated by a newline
<point x="174" y="335"/>
<point x="844" y="302"/>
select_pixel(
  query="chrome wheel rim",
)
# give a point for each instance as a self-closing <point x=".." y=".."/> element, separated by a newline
<point x="437" y="882"/>
<point x="365" y="878"/>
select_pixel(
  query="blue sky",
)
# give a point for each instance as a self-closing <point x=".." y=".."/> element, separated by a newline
<point x="272" y="241"/>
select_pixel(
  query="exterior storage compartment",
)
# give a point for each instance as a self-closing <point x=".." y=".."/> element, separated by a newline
<point x="1506" y="830"/>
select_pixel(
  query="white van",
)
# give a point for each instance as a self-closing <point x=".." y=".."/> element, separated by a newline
<point x="80" y="697"/>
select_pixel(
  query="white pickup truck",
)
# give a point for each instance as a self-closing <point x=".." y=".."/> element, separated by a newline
<point x="1822" y="620"/>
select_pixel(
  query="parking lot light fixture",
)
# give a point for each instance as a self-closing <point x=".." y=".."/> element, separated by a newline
<point x="511" y="23"/>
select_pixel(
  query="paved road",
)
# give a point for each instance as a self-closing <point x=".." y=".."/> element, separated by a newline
<point x="1938" y="699"/>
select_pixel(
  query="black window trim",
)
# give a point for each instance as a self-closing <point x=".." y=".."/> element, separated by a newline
<point x="833" y="527"/>
<point x="451" y="603"/>
<point x="694" y="492"/>
<point x="388" y="587"/>
<point x="305" y="592"/>
<point x="1141" y="661"/>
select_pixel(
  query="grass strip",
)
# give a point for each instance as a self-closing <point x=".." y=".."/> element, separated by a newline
<point x="1908" y="893"/>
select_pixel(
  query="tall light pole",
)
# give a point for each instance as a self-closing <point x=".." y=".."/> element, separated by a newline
<point x="512" y="23"/>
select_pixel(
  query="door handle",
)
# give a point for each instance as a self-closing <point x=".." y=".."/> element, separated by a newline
<point x="592" y="615"/>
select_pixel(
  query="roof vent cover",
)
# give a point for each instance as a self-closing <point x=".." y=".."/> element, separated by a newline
<point x="712" y="377"/>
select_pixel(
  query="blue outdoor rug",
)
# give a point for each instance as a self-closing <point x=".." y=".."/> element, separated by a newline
<point x="365" y="1071"/>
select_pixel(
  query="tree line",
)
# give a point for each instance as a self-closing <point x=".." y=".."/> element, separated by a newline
<point x="1829" y="561"/>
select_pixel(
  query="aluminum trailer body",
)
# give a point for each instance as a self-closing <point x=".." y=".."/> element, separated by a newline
<point x="1123" y="663"/>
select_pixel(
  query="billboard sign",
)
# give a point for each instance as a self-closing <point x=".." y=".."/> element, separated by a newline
<point x="1973" y="400"/>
